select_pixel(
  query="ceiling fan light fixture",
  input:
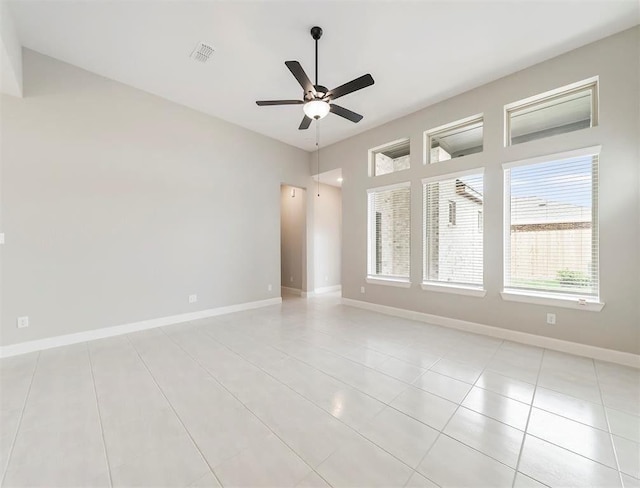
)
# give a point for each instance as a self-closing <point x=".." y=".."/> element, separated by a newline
<point x="316" y="109"/>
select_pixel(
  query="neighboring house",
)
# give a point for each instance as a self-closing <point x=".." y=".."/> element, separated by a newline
<point x="455" y="233"/>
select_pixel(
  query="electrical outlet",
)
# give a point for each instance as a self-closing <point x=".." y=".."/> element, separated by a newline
<point x="362" y="289"/>
<point x="193" y="298"/>
<point x="23" y="322"/>
<point x="291" y="279"/>
<point x="269" y="287"/>
<point x="551" y="318"/>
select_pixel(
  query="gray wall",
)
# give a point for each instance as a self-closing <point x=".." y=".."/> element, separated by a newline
<point x="293" y="224"/>
<point x="616" y="61"/>
<point x="327" y="232"/>
<point x="117" y="205"/>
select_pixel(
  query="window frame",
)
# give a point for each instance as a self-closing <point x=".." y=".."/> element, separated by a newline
<point x="544" y="297"/>
<point x="457" y="124"/>
<point x="591" y="84"/>
<point x="373" y="278"/>
<point x="442" y="286"/>
<point x="374" y="150"/>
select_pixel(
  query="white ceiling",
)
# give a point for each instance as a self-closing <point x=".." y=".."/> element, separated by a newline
<point x="417" y="52"/>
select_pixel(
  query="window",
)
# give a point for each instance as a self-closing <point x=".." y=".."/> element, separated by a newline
<point x="480" y="221"/>
<point x="455" y="140"/>
<point x="389" y="158"/>
<point x="557" y="112"/>
<point x="551" y="213"/>
<point x="452" y="244"/>
<point x="389" y="232"/>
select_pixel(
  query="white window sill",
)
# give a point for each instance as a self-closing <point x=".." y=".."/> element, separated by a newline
<point x="565" y="301"/>
<point x="379" y="280"/>
<point x="470" y="291"/>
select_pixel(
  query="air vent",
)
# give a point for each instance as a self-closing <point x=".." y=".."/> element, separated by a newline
<point x="202" y="52"/>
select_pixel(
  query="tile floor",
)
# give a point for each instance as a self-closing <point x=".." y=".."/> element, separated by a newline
<point x="315" y="394"/>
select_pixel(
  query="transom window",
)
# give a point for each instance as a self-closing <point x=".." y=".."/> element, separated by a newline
<point x="389" y="158"/>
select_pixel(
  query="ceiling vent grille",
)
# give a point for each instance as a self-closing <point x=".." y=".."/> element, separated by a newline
<point x="202" y="52"/>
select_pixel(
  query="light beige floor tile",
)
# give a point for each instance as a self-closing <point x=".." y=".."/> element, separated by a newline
<point x="579" y="410"/>
<point x="425" y="407"/>
<point x="444" y="386"/>
<point x="400" y="370"/>
<point x="457" y="370"/>
<point x="313" y="480"/>
<point x="628" y="456"/>
<point x="267" y="463"/>
<point x="624" y="424"/>
<point x="419" y="481"/>
<point x="469" y="466"/>
<point x="555" y="466"/>
<point x="574" y="436"/>
<point x="361" y="463"/>
<point x="488" y="436"/>
<point x="206" y="481"/>
<point x="509" y="387"/>
<point x="498" y="407"/>
<point x="523" y="481"/>
<point x="400" y="435"/>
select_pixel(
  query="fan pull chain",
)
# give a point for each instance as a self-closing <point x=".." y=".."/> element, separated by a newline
<point x="318" y="151"/>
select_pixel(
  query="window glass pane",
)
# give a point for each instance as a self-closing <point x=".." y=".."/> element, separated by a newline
<point x="453" y="230"/>
<point x="557" y="115"/>
<point x="456" y="141"/>
<point x="391" y="158"/>
<point x="553" y="227"/>
<point x="390" y="232"/>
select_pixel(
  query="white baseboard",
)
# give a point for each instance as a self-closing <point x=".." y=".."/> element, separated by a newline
<point x="285" y="290"/>
<point x="327" y="289"/>
<point x="600" y="353"/>
<point x="90" y="335"/>
<point x="308" y="294"/>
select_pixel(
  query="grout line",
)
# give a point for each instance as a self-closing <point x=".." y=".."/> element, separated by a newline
<point x="209" y="373"/>
<point x="95" y="392"/>
<point x="174" y="411"/>
<point x="24" y="406"/>
<point x="526" y="426"/>
<point x="606" y="417"/>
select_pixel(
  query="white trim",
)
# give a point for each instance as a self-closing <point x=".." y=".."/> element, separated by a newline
<point x="388" y="281"/>
<point x="458" y="124"/>
<point x="471" y="291"/>
<point x="600" y="353"/>
<point x="589" y="304"/>
<point x="563" y="90"/>
<point x="573" y="154"/>
<point x="395" y="186"/>
<point x="451" y="176"/>
<point x="285" y="290"/>
<point x="327" y="289"/>
<point x="90" y="335"/>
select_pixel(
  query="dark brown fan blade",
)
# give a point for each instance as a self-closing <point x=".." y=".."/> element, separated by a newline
<point x="300" y="75"/>
<point x="263" y="103"/>
<point x="306" y="122"/>
<point x="354" y="85"/>
<point x="346" y="113"/>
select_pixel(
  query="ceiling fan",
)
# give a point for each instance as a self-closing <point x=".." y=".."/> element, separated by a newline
<point x="317" y="101"/>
